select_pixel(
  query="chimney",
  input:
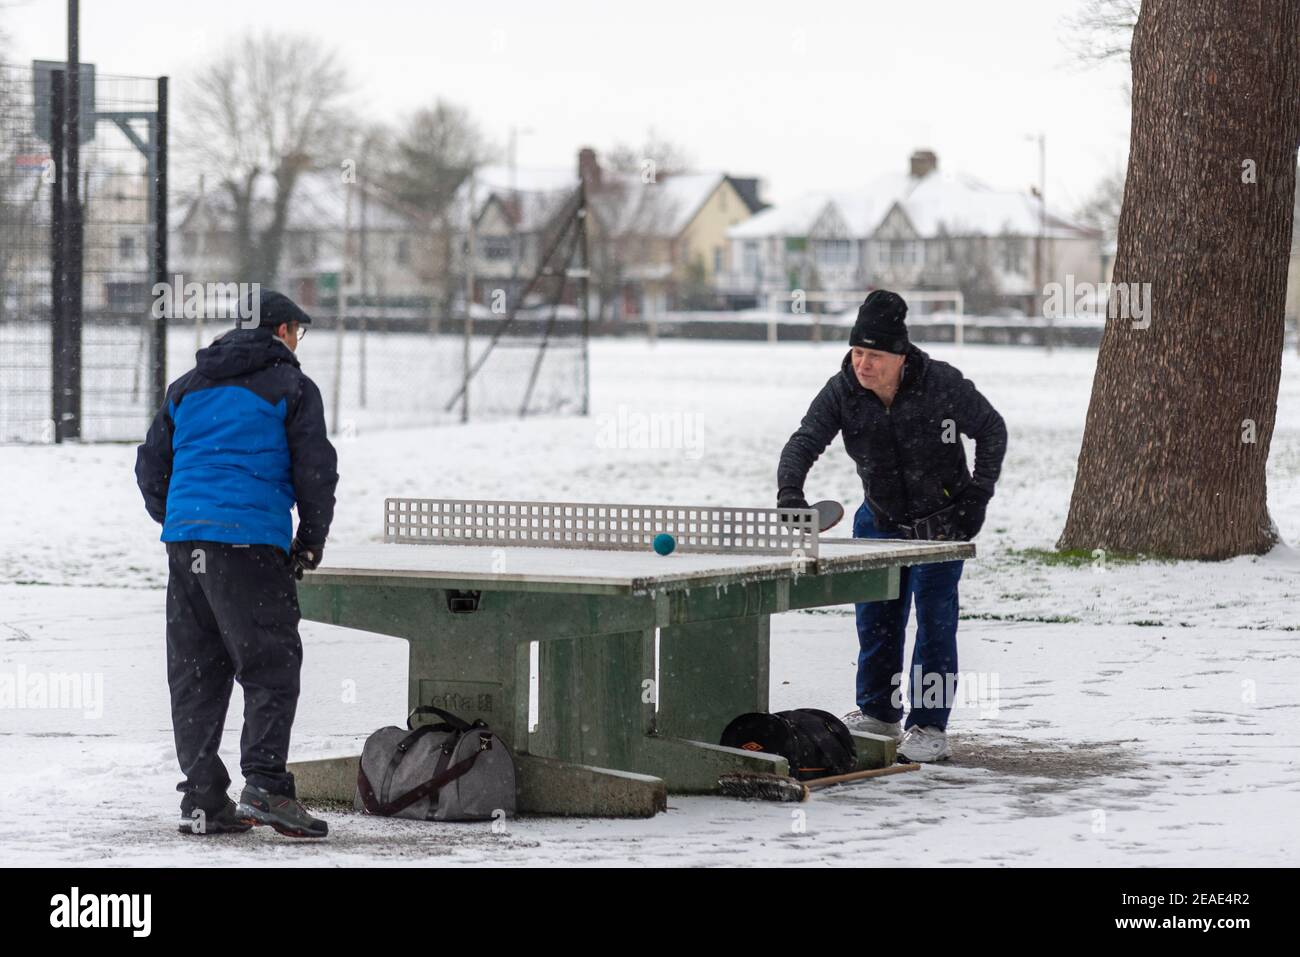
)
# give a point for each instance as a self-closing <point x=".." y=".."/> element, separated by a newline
<point x="924" y="162"/>
<point x="588" y="167"/>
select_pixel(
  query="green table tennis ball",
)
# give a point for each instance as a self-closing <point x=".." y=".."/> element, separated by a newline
<point x="665" y="543"/>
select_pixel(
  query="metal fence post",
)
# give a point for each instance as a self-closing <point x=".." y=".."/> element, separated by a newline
<point x="73" y="232"/>
<point x="159" y="363"/>
<point x="58" y="323"/>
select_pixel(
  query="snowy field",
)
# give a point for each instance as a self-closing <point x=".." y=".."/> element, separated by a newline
<point x="1130" y="714"/>
<point x="385" y="380"/>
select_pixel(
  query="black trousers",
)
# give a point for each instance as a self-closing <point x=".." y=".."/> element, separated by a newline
<point x="232" y="614"/>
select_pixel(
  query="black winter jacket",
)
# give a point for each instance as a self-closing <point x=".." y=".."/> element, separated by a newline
<point x="908" y="455"/>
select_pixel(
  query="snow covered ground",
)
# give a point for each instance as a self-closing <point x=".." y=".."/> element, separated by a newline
<point x="1130" y="713"/>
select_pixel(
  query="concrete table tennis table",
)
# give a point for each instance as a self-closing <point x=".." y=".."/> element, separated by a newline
<point x="643" y="659"/>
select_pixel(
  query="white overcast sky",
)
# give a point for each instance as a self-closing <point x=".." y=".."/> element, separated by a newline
<point x="806" y="94"/>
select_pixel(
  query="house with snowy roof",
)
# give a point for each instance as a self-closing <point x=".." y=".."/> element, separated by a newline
<point x="659" y="240"/>
<point x="387" y="246"/>
<point x="654" y="239"/>
<point x="516" y="211"/>
<point x="922" y="229"/>
<point x="116" y="248"/>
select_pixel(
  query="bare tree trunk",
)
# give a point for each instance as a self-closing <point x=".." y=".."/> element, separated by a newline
<point x="245" y="244"/>
<point x="444" y="282"/>
<point x="270" y="244"/>
<point x="1184" y="399"/>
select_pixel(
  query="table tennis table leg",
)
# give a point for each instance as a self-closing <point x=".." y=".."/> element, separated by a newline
<point x="595" y="698"/>
<point x="596" y="701"/>
<point x="483" y="676"/>
<point x="710" y="672"/>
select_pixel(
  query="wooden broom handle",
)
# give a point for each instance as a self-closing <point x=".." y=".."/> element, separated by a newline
<point x="816" y="783"/>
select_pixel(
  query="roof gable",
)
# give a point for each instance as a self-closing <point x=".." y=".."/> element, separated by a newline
<point x="903" y="206"/>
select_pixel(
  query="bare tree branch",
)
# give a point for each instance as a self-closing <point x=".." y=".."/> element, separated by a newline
<point x="431" y="154"/>
<point x="423" y="164"/>
<point x="272" y="106"/>
<point x="664" y="156"/>
<point x="1102" y="30"/>
<point x="1101" y="209"/>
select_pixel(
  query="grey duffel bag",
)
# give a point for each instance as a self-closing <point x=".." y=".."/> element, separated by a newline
<point x="448" y="771"/>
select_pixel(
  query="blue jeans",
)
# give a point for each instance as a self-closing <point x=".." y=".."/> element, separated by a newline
<point x="882" y="628"/>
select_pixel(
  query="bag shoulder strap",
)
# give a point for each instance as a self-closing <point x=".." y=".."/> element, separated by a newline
<point x="459" y="724"/>
<point x="400" y="751"/>
<point x="442" y="776"/>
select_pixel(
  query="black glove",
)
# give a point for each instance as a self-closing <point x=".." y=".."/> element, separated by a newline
<point x="790" y="497"/>
<point x="304" y="557"/>
<point x="968" y="511"/>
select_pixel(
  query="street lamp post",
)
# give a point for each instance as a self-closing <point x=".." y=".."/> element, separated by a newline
<point x="1040" y="244"/>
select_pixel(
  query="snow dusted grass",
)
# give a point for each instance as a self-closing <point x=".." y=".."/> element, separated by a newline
<point x="1134" y="713"/>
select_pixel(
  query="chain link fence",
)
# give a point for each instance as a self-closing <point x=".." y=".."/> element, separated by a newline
<point x="111" y="380"/>
<point x="26" y="185"/>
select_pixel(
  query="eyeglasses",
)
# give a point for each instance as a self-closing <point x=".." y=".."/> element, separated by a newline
<point x="302" y="333"/>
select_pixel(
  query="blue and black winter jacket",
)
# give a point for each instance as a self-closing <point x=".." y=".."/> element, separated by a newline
<point x="239" y="440"/>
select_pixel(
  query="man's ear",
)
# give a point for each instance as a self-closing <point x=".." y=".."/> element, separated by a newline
<point x="282" y="330"/>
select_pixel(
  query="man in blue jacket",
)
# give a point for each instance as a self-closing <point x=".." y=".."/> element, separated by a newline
<point x="239" y="441"/>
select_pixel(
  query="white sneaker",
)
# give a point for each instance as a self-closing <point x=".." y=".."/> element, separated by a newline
<point x="857" y="721"/>
<point x="924" y="745"/>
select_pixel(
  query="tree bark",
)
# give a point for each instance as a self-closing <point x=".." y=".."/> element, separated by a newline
<point x="1184" y="399"/>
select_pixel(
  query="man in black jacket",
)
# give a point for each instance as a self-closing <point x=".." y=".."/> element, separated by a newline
<point x="239" y="441"/>
<point x="902" y="414"/>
